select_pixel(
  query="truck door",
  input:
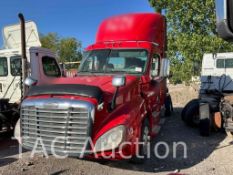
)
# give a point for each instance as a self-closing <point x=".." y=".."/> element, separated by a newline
<point x="155" y="87"/>
<point x="226" y="81"/>
<point x="50" y="69"/>
<point x="10" y="78"/>
<point x="220" y="71"/>
<point x="14" y="93"/>
<point x="3" y="76"/>
<point x="151" y="90"/>
<point x="44" y="67"/>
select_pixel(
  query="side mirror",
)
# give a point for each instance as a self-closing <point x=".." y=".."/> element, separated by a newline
<point x="118" y="81"/>
<point x="165" y="68"/>
<point x="224" y="12"/>
<point x="29" y="81"/>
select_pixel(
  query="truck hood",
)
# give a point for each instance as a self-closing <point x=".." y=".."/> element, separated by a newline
<point x="92" y="86"/>
<point x="103" y="82"/>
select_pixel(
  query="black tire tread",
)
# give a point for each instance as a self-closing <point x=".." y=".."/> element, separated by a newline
<point x="186" y="107"/>
<point x="191" y="110"/>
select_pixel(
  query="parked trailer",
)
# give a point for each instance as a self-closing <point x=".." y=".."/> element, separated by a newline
<point x="117" y="96"/>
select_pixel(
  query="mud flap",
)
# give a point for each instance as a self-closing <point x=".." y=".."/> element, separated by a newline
<point x="217" y="120"/>
<point x="205" y="121"/>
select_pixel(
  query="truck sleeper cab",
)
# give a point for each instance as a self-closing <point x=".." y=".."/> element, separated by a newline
<point x="116" y="97"/>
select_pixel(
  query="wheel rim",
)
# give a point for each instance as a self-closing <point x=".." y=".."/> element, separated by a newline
<point x="146" y="140"/>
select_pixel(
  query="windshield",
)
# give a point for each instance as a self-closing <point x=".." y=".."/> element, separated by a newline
<point x="115" y="61"/>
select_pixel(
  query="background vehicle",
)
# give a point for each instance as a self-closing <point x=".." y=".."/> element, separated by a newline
<point x="70" y="68"/>
<point x="213" y="109"/>
<point x="117" y="96"/>
<point x="10" y="69"/>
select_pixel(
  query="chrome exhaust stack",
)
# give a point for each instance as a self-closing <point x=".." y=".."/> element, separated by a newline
<point x="24" y="55"/>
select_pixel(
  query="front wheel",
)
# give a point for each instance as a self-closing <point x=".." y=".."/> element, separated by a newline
<point x="144" y="145"/>
<point x="183" y="113"/>
<point x="191" y="114"/>
<point x="4" y="123"/>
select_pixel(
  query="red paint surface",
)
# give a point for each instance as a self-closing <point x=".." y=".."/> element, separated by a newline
<point x="138" y="99"/>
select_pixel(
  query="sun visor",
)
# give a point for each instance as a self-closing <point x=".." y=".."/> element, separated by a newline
<point x="12" y="36"/>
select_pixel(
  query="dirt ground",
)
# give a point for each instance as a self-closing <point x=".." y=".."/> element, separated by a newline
<point x="205" y="155"/>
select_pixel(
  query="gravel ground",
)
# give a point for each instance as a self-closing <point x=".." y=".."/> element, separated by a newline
<point x="205" y="155"/>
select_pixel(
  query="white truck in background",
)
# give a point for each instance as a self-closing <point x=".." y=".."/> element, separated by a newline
<point x="10" y="59"/>
<point x="218" y="67"/>
<point x="11" y="66"/>
<point x="213" y="110"/>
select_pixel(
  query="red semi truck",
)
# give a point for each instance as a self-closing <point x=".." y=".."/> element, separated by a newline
<point x="116" y="98"/>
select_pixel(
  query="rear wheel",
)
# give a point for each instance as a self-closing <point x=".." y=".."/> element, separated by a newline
<point x="144" y="145"/>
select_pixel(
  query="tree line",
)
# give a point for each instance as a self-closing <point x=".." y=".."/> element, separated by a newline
<point x="191" y="33"/>
<point x="68" y="49"/>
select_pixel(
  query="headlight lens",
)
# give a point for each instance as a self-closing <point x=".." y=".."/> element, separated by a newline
<point x="111" y="139"/>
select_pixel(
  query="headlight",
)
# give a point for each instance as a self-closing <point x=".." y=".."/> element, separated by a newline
<point x="111" y="139"/>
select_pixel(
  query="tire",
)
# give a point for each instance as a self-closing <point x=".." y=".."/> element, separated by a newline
<point x="191" y="114"/>
<point x="168" y="106"/>
<point x="4" y="123"/>
<point x="145" y="137"/>
<point x="1" y="121"/>
<point x="186" y="107"/>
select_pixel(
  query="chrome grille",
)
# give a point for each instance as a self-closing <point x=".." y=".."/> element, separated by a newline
<point x="67" y="123"/>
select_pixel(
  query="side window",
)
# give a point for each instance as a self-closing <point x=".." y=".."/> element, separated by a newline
<point x="3" y="67"/>
<point x="15" y="64"/>
<point x="155" y="66"/>
<point x="50" y="67"/>
<point x="220" y="63"/>
<point x="229" y="63"/>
